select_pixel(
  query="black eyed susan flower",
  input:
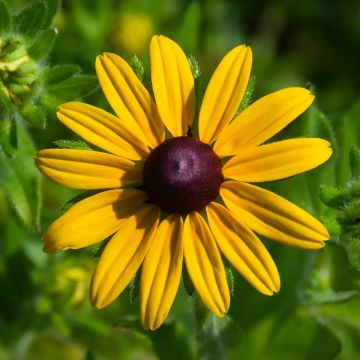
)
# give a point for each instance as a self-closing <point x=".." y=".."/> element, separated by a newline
<point x="168" y="210"/>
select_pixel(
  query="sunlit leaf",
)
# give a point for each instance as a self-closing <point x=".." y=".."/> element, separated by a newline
<point x="58" y="73"/>
<point x="42" y="44"/>
<point x="31" y="19"/>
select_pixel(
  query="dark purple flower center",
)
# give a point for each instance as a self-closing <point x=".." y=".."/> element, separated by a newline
<point x="182" y="175"/>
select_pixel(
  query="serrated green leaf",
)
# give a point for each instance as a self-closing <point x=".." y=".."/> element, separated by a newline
<point x="42" y="44"/>
<point x="8" y="138"/>
<point x="72" y="144"/>
<point x="194" y="66"/>
<point x="248" y="96"/>
<point x="5" y="18"/>
<point x="199" y="92"/>
<point x="33" y="115"/>
<point x="134" y="287"/>
<point x="138" y="67"/>
<point x="59" y="73"/>
<point x="230" y="278"/>
<point x="74" y="87"/>
<point x="52" y="7"/>
<point x="22" y="182"/>
<point x="31" y="19"/>
<point x="333" y="197"/>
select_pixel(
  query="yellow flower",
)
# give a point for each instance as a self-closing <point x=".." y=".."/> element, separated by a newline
<point x="182" y="178"/>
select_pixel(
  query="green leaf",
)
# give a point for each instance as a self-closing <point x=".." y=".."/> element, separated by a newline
<point x="49" y="103"/>
<point x="31" y="19"/>
<point x="74" y="87"/>
<point x="248" y="96"/>
<point x="315" y="124"/>
<point x="5" y="102"/>
<point x="347" y="312"/>
<point x="194" y="66"/>
<point x="334" y="197"/>
<point x="138" y="67"/>
<point x="349" y="337"/>
<point x="199" y="92"/>
<point x="22" y="181"/>
<point x="59" y="73"/>
<point x="5" y="18"/>
<point x="52" y="7"/>
<point x="72" y="144"/>
<point x="279" y="335"/>
<point x="8" y="138"/>
<point x="34" y="115"/>
<point x="170" y="340"/>
<point x="134" y="287"/>
<point x="42" y="44"/>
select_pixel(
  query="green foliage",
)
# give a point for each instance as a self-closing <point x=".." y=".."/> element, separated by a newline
<point x="5" y="18"/>
<point x="44" y="307"/>
<point x="248" y="96"/>
<point x="59" y="73"/>
<point x="8" y="138"/>
<point x="72" y="144"/>
<point x="29" y="86"/>
<point x="138" y="67"/>
<point x="33" y="115"/>
<point x="42" y="44"/>
<point x="21" y="181"/>
<point x="347" y="201"/>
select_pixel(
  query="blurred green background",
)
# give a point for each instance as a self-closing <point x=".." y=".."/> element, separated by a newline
<point x="44" y="307"/>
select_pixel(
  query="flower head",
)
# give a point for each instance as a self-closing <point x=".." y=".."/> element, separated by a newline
<point x="183" y="178"/>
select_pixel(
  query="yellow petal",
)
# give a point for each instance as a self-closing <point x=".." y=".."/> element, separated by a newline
<point x="243" y="249"/>
<point x="129" y="98"/>
<point x="173" y="85"/>
<point x="273" y="216"/>
<point x="277" y="160"/>
<point x="87" y="169"/>
<point x="204" y="265"/>
<point x="103" y="130"/>
<point x="224" y="93"/>
<point x="161" y="273"/>
<point x="123" y="256"/>
<point x="262" y="120"/>
<point x="93" y="219"/>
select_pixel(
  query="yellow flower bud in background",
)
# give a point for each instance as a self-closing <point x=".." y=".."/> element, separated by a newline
<point x="131" y="33"/>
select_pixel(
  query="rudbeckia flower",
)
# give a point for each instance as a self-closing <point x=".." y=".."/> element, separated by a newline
<point x="175" y="198"/>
